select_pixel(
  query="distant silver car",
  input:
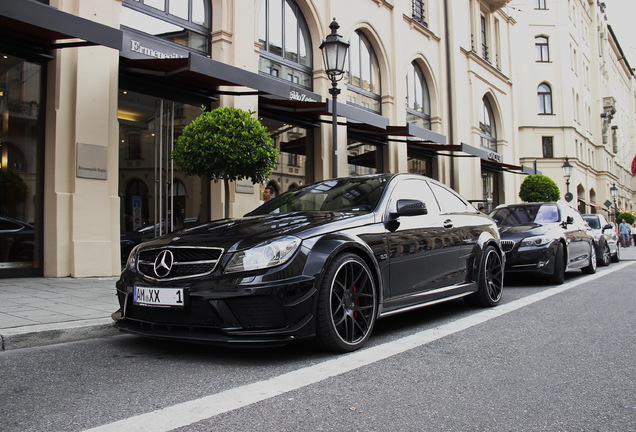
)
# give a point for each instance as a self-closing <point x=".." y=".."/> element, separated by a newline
<point x="605" y="238"/>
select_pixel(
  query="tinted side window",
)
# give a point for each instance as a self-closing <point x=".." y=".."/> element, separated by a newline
<point x="449" y="201"/>
<point x="417" y="190"/>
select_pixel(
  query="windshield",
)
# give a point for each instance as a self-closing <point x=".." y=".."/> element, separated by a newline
<point x="593" y="222"/>
<point x="526" y="214"/>
<point x="357" y="194"/>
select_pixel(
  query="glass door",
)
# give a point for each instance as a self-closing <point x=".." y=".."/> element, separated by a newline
<point x="156" y="199"/>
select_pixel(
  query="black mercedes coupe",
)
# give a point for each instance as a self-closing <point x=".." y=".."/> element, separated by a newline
<point x="324" y="261"/>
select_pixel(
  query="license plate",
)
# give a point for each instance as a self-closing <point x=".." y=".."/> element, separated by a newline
<point x="149" y="296"/>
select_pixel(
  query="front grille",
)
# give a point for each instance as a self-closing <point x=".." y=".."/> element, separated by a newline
<point x="257" y="312"/>
<point x="183" y="262"/>
<point x="507" y="245"/>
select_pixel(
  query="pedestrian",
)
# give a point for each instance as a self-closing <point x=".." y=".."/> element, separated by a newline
<point x="267" y="193"/>
<point x="634" y="234"/>
<point x="482" y="209"/>
<point x="625" y="231"/>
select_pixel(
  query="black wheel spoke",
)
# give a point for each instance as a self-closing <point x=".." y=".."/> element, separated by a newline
<point x="352" y="302"/>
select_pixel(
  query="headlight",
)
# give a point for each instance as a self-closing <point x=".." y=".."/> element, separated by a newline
<point x="131" y="263"/>
<point x="264" y="255"/>
<point x="535" y="241"/>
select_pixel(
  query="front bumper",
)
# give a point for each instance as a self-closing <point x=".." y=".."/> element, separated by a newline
<point x="531" y="259"/>
<point x="226" y="311"/>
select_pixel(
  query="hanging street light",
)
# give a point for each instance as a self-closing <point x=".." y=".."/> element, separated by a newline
<point x="614" y="193"/>
<point x="334" y="53"/>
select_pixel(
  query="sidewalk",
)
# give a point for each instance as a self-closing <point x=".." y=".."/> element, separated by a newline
<point x="45" y="311"/>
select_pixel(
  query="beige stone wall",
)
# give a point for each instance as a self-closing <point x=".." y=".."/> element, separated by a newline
<point x="81" y="234"/>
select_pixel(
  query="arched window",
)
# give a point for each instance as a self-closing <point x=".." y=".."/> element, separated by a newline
<point x="185" y="22"/>
<point x="364" y="74"/>
<point x="487" y="126"/>
<point x="418" y="104"/>
<point x="285" y="42"/>
<point x="543" y="49"/>
<point x="544" y="94"/>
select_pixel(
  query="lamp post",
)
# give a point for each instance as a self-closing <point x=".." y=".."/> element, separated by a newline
<point x="614" y="193"/>
<point x="334" y="52"/>
<point x="567" y="172"/>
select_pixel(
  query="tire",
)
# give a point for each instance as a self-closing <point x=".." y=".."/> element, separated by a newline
<point x="347" y="304"/>
<point x="617" y="256"/>
<point x="491" y="280"/>
<point x="604" y="257"/>
<point x="591" y="267"/>
<point x="558" y="277"/>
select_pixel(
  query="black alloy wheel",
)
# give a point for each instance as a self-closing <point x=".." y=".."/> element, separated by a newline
<point x="347" y="304"/>
<point x="617" y="256"/>
<point x="604" y="257"/>
<point x="491" y="279"/>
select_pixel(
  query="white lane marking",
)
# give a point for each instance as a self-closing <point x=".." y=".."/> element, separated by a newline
<point x="186" y="413"/>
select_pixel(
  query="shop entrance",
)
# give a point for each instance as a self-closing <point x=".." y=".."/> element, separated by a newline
<point x="21" y="162"/>
<point x="156" y="198"/>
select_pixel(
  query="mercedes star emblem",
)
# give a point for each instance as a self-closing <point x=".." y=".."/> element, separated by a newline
<point x="163" y="263"/>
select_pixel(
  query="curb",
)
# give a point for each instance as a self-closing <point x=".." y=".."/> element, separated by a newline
<point x="49" y="334"/>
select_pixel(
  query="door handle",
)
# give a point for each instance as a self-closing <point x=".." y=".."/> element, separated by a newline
<point x="448" y="223"/>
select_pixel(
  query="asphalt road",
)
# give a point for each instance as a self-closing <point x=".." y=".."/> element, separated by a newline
<point x="547" y="359"/>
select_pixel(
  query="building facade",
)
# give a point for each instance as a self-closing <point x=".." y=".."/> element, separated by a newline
<point x="576" y="99"/>
<point x="94" y="93"/>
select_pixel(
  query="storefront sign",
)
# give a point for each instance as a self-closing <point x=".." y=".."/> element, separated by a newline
<point x="245" y="187"/>
<point x="297" y="96"/>
<point x="91" y="161"/>
<point x="138" y="46"/>
<point x="495" y="157"/>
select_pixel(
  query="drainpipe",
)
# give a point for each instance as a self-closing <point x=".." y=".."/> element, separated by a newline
<point x="449" y="90"/>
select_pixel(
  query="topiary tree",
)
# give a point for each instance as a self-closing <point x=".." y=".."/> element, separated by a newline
<point x="226" y="144"/>
<point x="629" y="218"/>
<point x="539" y="188"/>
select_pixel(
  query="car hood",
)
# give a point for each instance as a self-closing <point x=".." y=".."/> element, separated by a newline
<point x="243" y="233"/>
<point x="526" y="230"/>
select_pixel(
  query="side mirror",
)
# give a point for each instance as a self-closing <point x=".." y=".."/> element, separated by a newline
<point x="568" y="221"/>
<point x="606" y="227"/>
<point x="407" y="207"/>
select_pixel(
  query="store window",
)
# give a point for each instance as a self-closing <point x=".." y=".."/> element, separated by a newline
<point x="418" y="104"/>
<point x="20" y="165"/>
<point x="285" y="42"/>
<point x="363" y="158"/>
<point x="363" y="81"/>
<point x="487" y="126"/>
<point x="185" y="22"/>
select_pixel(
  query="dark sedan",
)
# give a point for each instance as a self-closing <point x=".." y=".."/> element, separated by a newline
<point x="325" y="261"/>
<point x="545" y="238"/>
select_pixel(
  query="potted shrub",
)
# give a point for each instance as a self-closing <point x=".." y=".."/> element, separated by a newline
<point x="226" y="144"/>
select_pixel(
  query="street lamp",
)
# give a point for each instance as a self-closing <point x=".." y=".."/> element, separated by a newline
<point x="334" y="52"/>
<point x="614" y="193"/>
<point x="567" y="172"/>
